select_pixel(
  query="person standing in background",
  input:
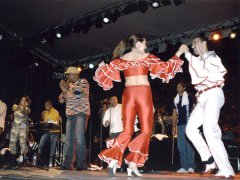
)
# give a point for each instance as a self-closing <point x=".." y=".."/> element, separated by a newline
<point x="182" y="107"/>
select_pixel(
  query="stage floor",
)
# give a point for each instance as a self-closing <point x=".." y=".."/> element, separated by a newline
<point x="35" y="173"/>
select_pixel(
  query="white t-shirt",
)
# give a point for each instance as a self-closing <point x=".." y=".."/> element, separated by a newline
<point x="3" y="111"/>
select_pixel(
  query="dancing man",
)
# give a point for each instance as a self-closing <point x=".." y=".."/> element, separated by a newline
<point x="207" y="73"/>
<point x="130" y="57"/>
<point x="75" y="93"/>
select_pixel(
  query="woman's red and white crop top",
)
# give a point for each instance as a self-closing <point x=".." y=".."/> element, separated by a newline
<point x="106" y="74"/>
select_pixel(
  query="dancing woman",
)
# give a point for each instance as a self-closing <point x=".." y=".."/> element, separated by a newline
<point x="130" y="57"/>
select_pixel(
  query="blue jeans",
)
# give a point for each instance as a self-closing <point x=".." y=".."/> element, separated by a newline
<point x="75" y="140"/>
<point x="52" y="139"/>
<point x="186" y="152"/>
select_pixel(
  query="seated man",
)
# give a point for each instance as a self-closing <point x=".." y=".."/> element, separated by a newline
<point x="50" y="115"/>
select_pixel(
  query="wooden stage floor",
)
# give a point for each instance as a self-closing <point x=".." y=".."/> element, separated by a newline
<point x="35" y="173"/>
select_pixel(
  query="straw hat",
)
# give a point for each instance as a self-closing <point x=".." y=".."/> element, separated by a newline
<point x="72" y="70"/>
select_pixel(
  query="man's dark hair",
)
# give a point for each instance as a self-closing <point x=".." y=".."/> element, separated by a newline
<point x="48" y="101"/>
<point x="202" y="37"/>
<point x="183" y="84"/>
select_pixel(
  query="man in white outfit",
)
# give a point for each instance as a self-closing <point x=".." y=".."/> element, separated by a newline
<point x="207" y="73"/>
<point x="113" y="117"/>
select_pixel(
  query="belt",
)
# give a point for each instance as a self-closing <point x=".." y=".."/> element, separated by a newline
<point x="204" y="90"/>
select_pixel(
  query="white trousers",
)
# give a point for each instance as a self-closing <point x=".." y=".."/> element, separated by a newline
<point x="206" y="113"/>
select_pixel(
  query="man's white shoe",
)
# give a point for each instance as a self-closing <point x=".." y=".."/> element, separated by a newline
<point x="224" y="174"/>
<point x="20" y="159"/>
<point x="182" y="171"/>
<point x="191" y="170"/>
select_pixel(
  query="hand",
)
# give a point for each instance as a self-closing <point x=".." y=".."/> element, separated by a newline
<point x="101" y="64"/>
<point x="182" y="49"/>
<point x="64" y="86"/>
<point x="106" y="123"/>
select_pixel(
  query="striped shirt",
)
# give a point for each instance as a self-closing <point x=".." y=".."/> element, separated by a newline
<point x="77" y="98"/>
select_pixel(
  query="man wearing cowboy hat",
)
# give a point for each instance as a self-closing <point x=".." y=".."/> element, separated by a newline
<point x="75" y="93"/>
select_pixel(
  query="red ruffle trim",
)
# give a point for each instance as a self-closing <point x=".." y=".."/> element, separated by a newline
<point x="105" y="75"/>
<point x="166" y="70"/>
<point x="116" y="149"/>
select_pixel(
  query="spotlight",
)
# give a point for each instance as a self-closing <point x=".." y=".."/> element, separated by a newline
<point x="107" y="17"/>
<point x="130" y="8"/>
<point x="87" y="25"/>
<point x="233" y="35"/>
<point x="216" y="36"/>
<point x="67" y="29"/>
<point x="51" y="36"/>
<point x="98" y="22"/>
<point x="155" y="4"/>
<point x="77" y="27"/>
<point x="165" y="2"/>
<point x="58" y="35"/>
<point x="91" y="66"/>
<point x="106" y="20"/>
<point x="1" y="37"/>
<point x="142" y="6"/>
<point x="178" y="2"/>
<point x="115" y="15"/>
<point x="79" y="68"/>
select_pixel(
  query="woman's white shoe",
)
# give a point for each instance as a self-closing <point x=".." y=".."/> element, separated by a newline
<point x="132" y="170"/>
<point x="112" y="168"/>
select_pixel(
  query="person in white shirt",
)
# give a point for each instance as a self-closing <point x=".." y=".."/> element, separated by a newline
<point x="207" y="74"/>
<point x="3" y="111"/>
<point x="113" y="117"/>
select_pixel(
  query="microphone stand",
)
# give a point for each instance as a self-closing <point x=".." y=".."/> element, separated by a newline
<point x="25" y="158"/>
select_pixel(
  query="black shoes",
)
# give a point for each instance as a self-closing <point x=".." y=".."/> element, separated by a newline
<point x="65" y="168"/>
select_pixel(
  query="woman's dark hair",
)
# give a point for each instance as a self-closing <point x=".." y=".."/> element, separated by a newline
<point x="126" y="45"/>
<point x="27" y="99"/>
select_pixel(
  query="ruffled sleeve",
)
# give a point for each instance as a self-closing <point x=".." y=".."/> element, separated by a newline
<point x="106" y="74"/>
<point x="164" y="70"/>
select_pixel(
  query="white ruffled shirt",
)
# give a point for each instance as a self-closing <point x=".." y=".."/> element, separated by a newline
<point x="206" y="72"/>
